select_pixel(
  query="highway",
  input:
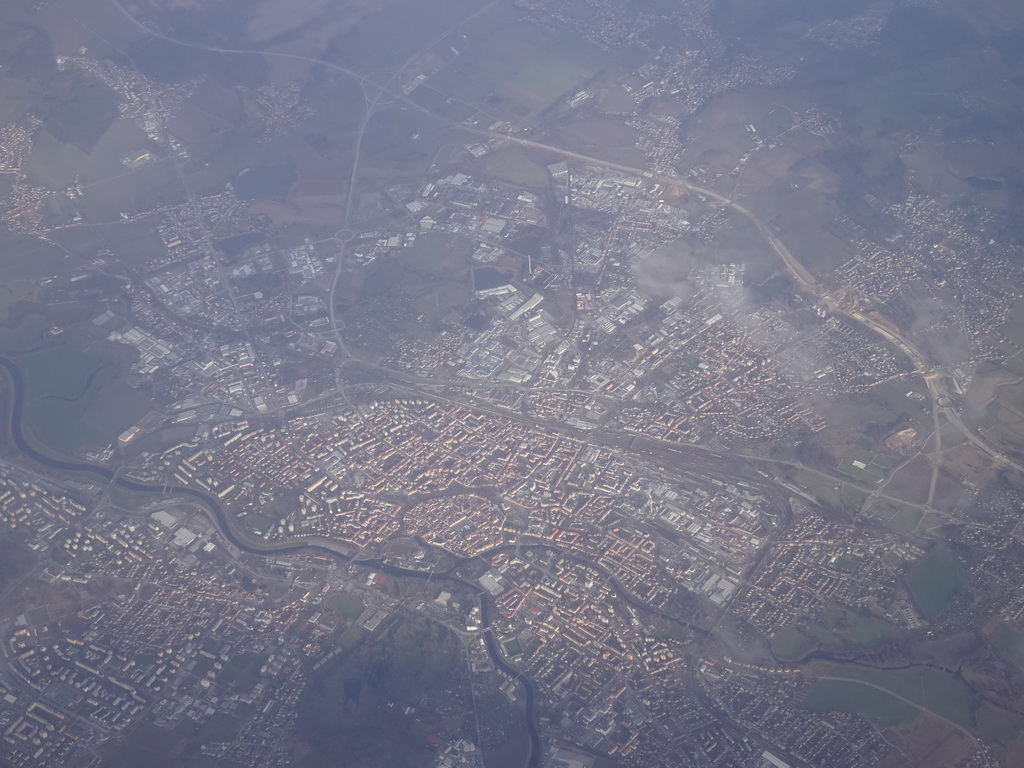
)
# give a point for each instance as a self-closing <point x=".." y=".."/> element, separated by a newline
<point x="938" y="387"/>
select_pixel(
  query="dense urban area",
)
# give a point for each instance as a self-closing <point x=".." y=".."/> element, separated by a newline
<point x="562" y="383"/>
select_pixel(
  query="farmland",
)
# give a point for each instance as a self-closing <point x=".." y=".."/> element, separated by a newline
<point x="863" y="690"/>
<point x="936" y="579"/>
<point x="352" y="714"/>
<point x="878" y="706"/>
<point x="76" y="400"/>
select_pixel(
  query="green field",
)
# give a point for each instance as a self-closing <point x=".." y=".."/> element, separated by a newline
<point x="377" y="43"/>
<point x="227" y="152"/>
<point x="670" y="630"/>
<point x="838" y="627"/>
<point x="900" y="97"/>
<point x="851" y="627"/>
<point x="905" y="520"/>
<point x="83" y="242"/>
<point x="912" y="481"/>
<point x="401" y="142"/>
<point x="58" y="372"/>
<point x="790" y="644"/>
<point x="936" y="579"/>
<point x="999" y="726"/>
<point x="353" y="712"/>
<point x="888" y="406"/>
<point x="930" y="689"/>
<point x="78" y="109"/>
<point x="115" y="407"/>
<point x="835" y="493"/>
<point x="56" y="423"/>
<point x="23" y="256"/>
<point x="25" y="336"/>
<point x="134" y="243"/>
<point x="876" y="705"/>
<point x="428" y="254"/>
<point x="75" y="400"/>
<point x="104" y="162"/>
<point x="516" y="70"/>
<point x="1010" y="644"/>
<point x="242" y="671"/>
<point x="10" y="292"/>
<point x="344" y="605"/>
<point x="54" y="164"/>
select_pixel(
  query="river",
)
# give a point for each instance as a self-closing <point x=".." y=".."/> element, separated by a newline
<point x="227" y="530"/>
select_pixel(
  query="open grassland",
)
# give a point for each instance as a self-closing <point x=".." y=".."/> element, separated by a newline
<point x="854" y="628"/>
<point x="78" y="109"/>
<point x="1010" y="644"/>
<point x="937" y="691"/>
<point x="999" y="726"/>
<point x="24" y="336"/>
<point x="345" y="606"/>
<point x="401" y="142"/>
<point x="835" y="493"/>
<point x="352" y="713"/>
<point x="24" y="256"/>
<point x="134" y="243"/>
<point x="838" y="628"/>
<point x="57" y="164"/>
<point x="380" y="44"/>
<point x="62" y="372"/>
<point x="936" y="579"/>
<point x="878" y="706"/>
<point x="905" y="519"/>
<point x="10" y="292"/>
<point x="515" y="71"/>
<point x="867" y="692"/>
<point x="57" y="425"/>
<point x="74" y="399"/>
<point x="912" y="482"/>
<point x="790" y="644"/>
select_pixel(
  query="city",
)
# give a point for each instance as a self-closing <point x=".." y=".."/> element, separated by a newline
<point x="518" y="385"/>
